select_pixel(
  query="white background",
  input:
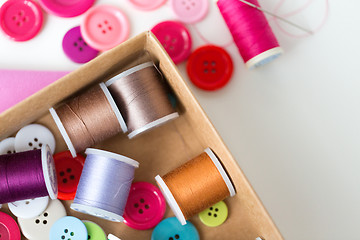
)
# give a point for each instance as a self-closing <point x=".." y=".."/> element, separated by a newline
<point x="292" y="125"/>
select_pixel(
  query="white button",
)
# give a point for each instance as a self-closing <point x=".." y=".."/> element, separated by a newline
<point x="112" y="237"/>
<point x="7" y="146"/>
<point x="38" y="228"/>
<point x="34" y="136"/>
<point x="29" y="208"/>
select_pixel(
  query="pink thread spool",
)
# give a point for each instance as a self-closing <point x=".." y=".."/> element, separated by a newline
<point x="251" y="31"/>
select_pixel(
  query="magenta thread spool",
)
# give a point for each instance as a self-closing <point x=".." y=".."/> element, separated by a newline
<point x="251" y="31"/>
<point x="104" y="184"/>
<point x="27" y="175"/>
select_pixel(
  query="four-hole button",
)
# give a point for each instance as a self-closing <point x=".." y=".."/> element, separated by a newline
<point x="190" y="11"/>
<point x="215" y="215"/>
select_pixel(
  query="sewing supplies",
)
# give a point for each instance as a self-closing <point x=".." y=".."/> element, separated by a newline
<point x="252" y="34"/>
<point x="196" y="185"/>
<point x="27" y="175"/>
<point x="88" y="119"/>
<point x="142" y="98"/>
<point x="104" y="184"/>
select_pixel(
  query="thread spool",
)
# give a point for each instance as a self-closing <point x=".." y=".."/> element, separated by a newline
<point x="195" y="186"/>
<point x="104" y="184"/>
<point x="88" y="119"/>
<point x="142" y="98"/>
<point x="27" y="175"/>
<point x="251" y="31"/>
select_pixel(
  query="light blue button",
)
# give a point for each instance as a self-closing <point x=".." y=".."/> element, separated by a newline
<point x="68" y="228"/>
<point x="171" y="229"/>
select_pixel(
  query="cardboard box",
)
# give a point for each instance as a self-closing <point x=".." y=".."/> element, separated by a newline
<point x="159" y="150"/>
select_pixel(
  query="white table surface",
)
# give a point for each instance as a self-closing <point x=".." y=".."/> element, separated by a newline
<point x="292" y="125"/>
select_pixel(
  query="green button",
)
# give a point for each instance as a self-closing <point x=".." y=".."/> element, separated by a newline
<point x="95" y="232"/>
<point x="215" y="215"/>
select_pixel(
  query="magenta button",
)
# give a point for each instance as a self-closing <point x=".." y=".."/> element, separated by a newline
<point x="104" y="27"/>
<point x="76" y="48"/>
<point x="147" y="5"/>
<point x="145" y="206"/>
<point x="21" y="20"/>
<point x="175" y="38"/>
<point x="190" y="11"/>
<point x="66" y="8"/>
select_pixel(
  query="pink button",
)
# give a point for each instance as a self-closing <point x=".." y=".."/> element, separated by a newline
<point x="104" y="27"/>
<point x="9" y="230"/>
<point x="66" y="8"/>
<point x="147" y="5"/>
<point x="190" y="11"/>
<point x="21" y="20"/>
<point x="175" y="38"/>
<point x="145" y="206"/>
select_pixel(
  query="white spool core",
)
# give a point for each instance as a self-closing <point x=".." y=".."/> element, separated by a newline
<point x="98" y="212"/>
<point x="153" y="124"/>
<point x="121" y="158"/>
<point x="114" y="107"/>
<point x="264" y="57"/>
<point x="171" y="200"/>
<point x="221" y="171"/>
<point x="63" y="131"/>
<point x="48" y="167"/>
<point x="128" y="72"/>
<point x="112" y="237"/>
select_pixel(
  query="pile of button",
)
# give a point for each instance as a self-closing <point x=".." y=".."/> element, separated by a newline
<point x="39" y="217"/>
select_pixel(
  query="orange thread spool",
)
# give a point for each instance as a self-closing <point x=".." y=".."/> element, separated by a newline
<point x="88" y="119"/>
<point x="196" y="185"/>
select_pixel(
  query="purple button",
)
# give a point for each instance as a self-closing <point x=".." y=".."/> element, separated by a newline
<point x="76" y="48"/>
<point x="21" y="20"/>
<point x="145" y="206"/>
<point x="66" y="8"/>
<point x="190" y="11"/>
<point x="175" y="38"/>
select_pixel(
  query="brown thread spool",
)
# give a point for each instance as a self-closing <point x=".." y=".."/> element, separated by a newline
<point x="142" y="98"/>
<point x="88" y="119"/>
<point x="195" y="186"/>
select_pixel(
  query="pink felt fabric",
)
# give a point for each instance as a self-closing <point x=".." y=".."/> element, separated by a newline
<point x="16" y="85"/>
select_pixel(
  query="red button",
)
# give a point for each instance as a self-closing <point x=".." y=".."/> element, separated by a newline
<point x="21" y="20"/>
<point x="68" y="171"/>
<point x="210" y="67"/>
<point x="9" y="230"/>
<point x="145" y="206"/>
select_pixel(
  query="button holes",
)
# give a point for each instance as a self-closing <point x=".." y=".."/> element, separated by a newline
<point x="171" y="48"/>
<point x="103" y="31"/>
<point x="72" y="234"/>
<point x="183" y="2"/>
<point x="35" y="139"/>
<point x="62" y="237"/>
<point x="66" y="231"/>
<point x="68" y="170"/>
<point x="40" y="144"/>
<point x="188" y="8"/>
<point x="174" y="40"/>
<point x="8" y="152"/>
<point x="177" y="236"/>
<point x="21" y="13"/>
<point x="72" y="177"/>
<point x="147" y="206"/>
<point x="44" y="222"/>
<point x="30" y="144"/>
<point x="206" y="70"/>
<point x="80" y="39"/>
<point x="75" y="44"/>
<point x="213" y="70"/>
<point x="216" y="209"/>
<point x="37" y="221"/>
<point x="193" y="3"/>
<point x="171" y="238"/>
<point x="99" y="25"/>
<point x="85" y="44"/>
<point x="46" y="214"/>
<point x="89" y="237"/>
<point x="165" y="45"/>
<point x="27" y="202"/>
<point x="211" y="208"/>
<point x="14" y="151"/>
<point x="14" y="18"/>
<point x="142" y="200"/>
<point x="110" y="28"/>
<point x="209" y="213"/>
<point x="167" y="38"/>
<point x="213" y="63"/>
<point x="106" y="22"/>
<point x="65" y="180"/>
<point x="35" y="148"/>
<point x="141" y="211"/>
<point x="136" y="205"/>
<point x="215" y="215"/>
<point x="80" y="49"/>
<point x="62" y="173"/>
<point x="206" y="63"/>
